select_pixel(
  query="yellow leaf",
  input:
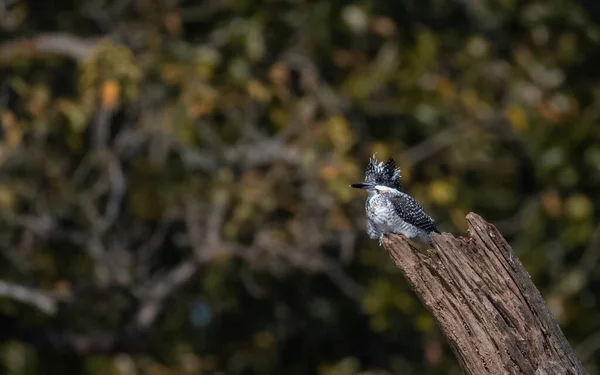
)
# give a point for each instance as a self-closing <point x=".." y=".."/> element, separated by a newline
<point x="279" y="117"/>
<point x="469" y="99"/>
<point x="38" y="100"/>
<point x="427" y="46"/>
<point x="75" y="115"/>
<point x="442" y="192"/>
<point x="171" y="73"/>
<point x="340" y="134"/>
<point x="517" y="117"/>
<point x="9" y="120"/>
<point x="446" y="89"/>
<point x="7" y="197"/>
<point x="204" y="70"/>
<point x="579" y="206"/>
<point x="109" y="93"/>
<point x="258" y="91"/>
<point x="13" y="131"/>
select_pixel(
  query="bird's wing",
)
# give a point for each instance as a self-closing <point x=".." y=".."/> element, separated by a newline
<point x="371" y="230"/>
<point x="411" y="211"/>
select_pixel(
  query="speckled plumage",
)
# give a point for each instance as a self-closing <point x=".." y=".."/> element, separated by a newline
<point x="388" y="209"/>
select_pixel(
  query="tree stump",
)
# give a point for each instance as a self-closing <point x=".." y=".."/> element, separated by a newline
<point x="485" y="303"/>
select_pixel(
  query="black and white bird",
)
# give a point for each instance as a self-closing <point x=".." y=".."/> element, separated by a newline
<point x="388" y="209"/>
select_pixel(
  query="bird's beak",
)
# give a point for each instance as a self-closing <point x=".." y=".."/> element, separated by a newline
<point x="362" y="185"/>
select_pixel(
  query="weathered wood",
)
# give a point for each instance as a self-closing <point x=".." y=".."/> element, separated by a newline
<point x="485" y="303"/>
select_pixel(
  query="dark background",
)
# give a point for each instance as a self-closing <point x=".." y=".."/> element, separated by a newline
<point x="174" y="176"/>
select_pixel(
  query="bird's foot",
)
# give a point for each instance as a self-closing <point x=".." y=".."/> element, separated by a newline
<point x="381" y="239"/>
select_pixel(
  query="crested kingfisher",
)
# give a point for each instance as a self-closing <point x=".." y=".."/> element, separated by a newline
<point x="389" y="210"/>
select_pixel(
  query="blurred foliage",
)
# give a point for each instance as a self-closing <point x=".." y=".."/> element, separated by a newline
<point x="174" y="176"/>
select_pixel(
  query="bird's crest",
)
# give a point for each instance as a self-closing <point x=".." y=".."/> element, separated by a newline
<point x="387" y="174"/>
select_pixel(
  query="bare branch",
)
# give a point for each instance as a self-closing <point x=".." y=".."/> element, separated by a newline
<point x="193" y="225"/>
<point x="42" y="301"/>
<point x="205" y="250"/>
<point x="433" y="145"/>
<point x="162" y="289"/>
<point x="97" y="252"/>
<point x="61" y="44"/>
<point x="261" y="152"/>
<point x="216" y="216"/>
<point x="118" y="187"/>
<point x="148" y="249"/>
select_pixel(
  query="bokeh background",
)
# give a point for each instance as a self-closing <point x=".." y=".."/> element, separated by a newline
<point x="174" y="176"/>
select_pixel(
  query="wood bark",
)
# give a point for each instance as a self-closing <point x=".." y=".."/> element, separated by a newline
<point x="484" y="302"/>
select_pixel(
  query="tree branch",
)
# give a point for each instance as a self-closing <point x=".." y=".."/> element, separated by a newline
<point x="485" y="303"/>
<point x="60" y="44"/>
<point x="153" y="304"/>
<point x="43" y="301"/>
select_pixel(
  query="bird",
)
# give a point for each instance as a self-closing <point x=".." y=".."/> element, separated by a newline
<point x="389" y="210"/>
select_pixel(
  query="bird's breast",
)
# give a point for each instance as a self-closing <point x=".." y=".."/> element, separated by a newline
<point x="379" y="209"/>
